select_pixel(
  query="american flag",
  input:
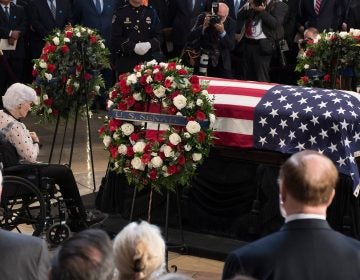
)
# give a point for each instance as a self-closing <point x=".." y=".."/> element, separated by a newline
<point x="289" y="119"/>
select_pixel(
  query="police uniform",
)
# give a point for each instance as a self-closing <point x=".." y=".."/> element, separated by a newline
<point x="132" y="25"/>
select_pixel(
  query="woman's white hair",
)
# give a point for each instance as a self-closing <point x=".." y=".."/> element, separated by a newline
<point x="17" y="94"/>
<point x="139" y="251"/>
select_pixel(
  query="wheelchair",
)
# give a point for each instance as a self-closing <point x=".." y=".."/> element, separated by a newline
<point x="30" y="203"/>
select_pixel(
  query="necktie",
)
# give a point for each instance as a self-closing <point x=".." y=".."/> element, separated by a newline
<point x="53" y="8"/>
<point x="7" y="12"/>
<point x="98" y="6"/>
<point x="191" y="5"/>
<point x="236" y="6"/>
<point x="317" y="6"/>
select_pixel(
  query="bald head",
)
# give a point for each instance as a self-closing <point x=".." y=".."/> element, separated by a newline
<point x="223" y="11"/>
<point x="309" y="177"/>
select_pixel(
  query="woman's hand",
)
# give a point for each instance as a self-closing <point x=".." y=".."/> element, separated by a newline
<point x="34" y="137"/>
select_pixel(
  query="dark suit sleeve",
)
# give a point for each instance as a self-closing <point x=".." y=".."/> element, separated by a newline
<point x="35" y="20"/>
<point x="275" y="18"/>
<point x="157" y="37"/>
<point x="197" y="30"/>
<point x="231" y="267"/>
<point x="69" y="13"/>
<point x="23" y="26"/>
<point x="77" y="12"/>
<point x="228" y="41"/>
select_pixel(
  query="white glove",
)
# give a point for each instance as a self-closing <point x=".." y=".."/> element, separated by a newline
<point x="142" y="48"/>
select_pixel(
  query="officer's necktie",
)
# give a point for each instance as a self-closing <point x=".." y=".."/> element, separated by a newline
<point x="53" y="8"/>
<point x="7" y="14"/>
<point x="317" y="6"/>
<point x="98" y="6"/>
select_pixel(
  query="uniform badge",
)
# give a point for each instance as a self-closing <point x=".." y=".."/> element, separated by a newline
<point x="113" y="19"/>
<point x="127" y="21"/>
<point x="148" y="20"/>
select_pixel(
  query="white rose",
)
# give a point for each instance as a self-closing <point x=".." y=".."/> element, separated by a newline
<point x="160" y="91"/>
<point x="107" y="140"/>
<point x="48" y="76"/>
<point x="164" y="104"/>
<point x="138" y="74"/>
<point x="122" y="149"/>
<point x="174" y="139"/>
<point x="102" y="45"/>
<point x="205" y="92"/>
<point x="43" y="64"/>
<point x="76" y="85"/>
<point x="156" y="162"/>
<point x="343" y="34"/>
<point x="90" y="31"/>
<point x="193" y="127"/>
<point x="67" y="40"/>
<point x="49" y="111"/>
<point x="212" y="119"/>
<point x="355" y="32"/>
<point x="109" y="103"/>
<point x="306" y="66"/>
<point x="187" y="135"/>
<point x="155" y="71"/>
<point x="151" y="62"/>
<point x="163" y="64"/>
<point x="168" y="151"/>
<point x="78" y="34"/>
<point x="187" y="147"/>
<point x="137" y="96"/>
<point x="199" y="102"/>
<point x="116" y="136"/>
<point x="97" y="88"/>
<point x="196" y="156"/>
<point x="179" y="114"/>
<point x="149" y="79"/>
<point x="131" y="79"/>
<point x="56" y="41"/>
<point x="136" y="163"/>
<point x="139" y="147"/>
<point x="45" y="97"/>
<point x="178" y="67"/>
<point x="82" y="29"/>
<point x="180" y="101"/>
<point x="127" y="129"/>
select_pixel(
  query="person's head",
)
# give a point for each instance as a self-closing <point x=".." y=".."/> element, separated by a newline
<point x="174" y="276"/>
<point x="311" y="33"/>
<point x="139" y="251"/>
<point x="87" y="255"/>
<point x="135" y="3"/>
<point x="18" y="99"/>
<point x="223" y="12"/>
<point x="307" y="183"/>
<point x="5" y="2"/>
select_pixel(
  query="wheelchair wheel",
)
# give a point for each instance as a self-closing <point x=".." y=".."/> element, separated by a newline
<point x="57" y="233"/>
<point x="23" y="206"/>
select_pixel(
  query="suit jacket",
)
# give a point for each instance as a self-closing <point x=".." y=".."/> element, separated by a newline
<point x="329" y="17"/>
<point x="85" y="13"/>
<point x="42" y="21"/>
<point x="17" y="21"/>
<point x="182" y="19"/>
<point x="23" y="257"/>
<point x="302" y="249"/>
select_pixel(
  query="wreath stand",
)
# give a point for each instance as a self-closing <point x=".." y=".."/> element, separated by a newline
<point x="76" y="112"/>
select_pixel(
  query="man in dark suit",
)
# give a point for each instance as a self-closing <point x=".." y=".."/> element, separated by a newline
<point x="23" y="256"/>
<point x="182" y="17"/>
<point x="44" y="19"/>
<point x="13" y="26"/>
<point x="217" y="39"/>
<point x="305" y="247"/>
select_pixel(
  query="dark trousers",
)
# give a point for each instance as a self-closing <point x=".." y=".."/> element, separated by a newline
<point x="255" y="64"/>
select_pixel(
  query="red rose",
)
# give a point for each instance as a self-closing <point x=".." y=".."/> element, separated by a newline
<point x="158" y="77"/>
<point x="148" y="89"/>
<point x="161" y="155"/>
<point x="69" y="90"/>
<point x="51" y="68"/>
<point x="309" y="53"/>
<point x="113" y="151"/>
<point x="201" y="136"/>
<point x="191" y="118"/>
<point x="181" y="160"/>
<point x="64" y="49"/>
<point x="68" y="34"/>
<point x="51" y="48"/>
<point x="122" y="106"/>
<point x="130" y="101"/>
<point x="195" y="88"/>
<point x="168" y="83"/>
<point x="114" y="124"/>
<point x="137" y="68"/>
<point x="63" y="79"/>
<point x="174" y="94"/>
<point x="147" y="148"/>
<point x="200" y="115"/>
<point x="130" y="152"/>
<point x="194" y="80"/>
<point x="48" y="102"/>
<point x="172" y="169"/>
<point x="182" y="71"/>
<point x="134" y="137"/>
<point x="101" y="129"/>
<point x="93" y="39"/>
<point x="114" y="94"/>
<point x="34" y="72"/>
<point x="326" y="78"/>
<point x="171" y="66"/>
<point x="145" y="158"/>
<point x="78" y="68"/>
<point x="305" y="80"/>
<point x="87" y="76"/>
<point x="142" y="80"/>
<point x="172" y="110"/>
<point x="152" y="174"/>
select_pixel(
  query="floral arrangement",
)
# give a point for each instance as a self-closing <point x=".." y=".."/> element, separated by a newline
<point x="67" y="74"/>
<point x="328" y="57"/>
<point x="167" y="155"/>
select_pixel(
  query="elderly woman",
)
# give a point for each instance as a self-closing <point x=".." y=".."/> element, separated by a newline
<point x="139" y="252"/>
<point x="17" y="102"/>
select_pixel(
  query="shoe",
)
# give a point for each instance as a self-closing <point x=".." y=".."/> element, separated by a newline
<point x="95" y="217"/>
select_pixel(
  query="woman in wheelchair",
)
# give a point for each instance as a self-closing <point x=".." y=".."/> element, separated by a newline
<point x="17" y="102"/>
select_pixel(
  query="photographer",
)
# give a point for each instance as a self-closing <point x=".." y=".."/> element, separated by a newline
<point x="263" y="20"/>
<point x="216" y="33"/>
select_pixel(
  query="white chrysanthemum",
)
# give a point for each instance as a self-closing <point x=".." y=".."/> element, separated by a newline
<point x="127" y="129"/>
<point x="180" y="101"/>
<point x="149" y="79"/>
<point x="139" y="147"/>
<point x="138" y="74"/>
<point x="56" y="41"/>
<point x="160" y="91"/>
<point x="102" y="45"/>
<point x="187" y="147"/>
<point x="49" y="111"/>
<point x="163" y="64"/>
<point x="76" y="85"/>
<point x="178" y="67"/>
<point x="164" y="104"/>
<point x="122" y="149"/>
<point x="343" y="34"/>
<point x="90" y="31"/>
<point x="196" y="156"/>
<point x="199" y="102"/>
<point x="306" y="66"/>
<point x="354" y="32"/>
<point x="97" y="88"/>
<point x="43" y="64"/>
<point x="131" y="79"/>
<point x="168" y="151"/>
<point x="193" y="127"/>
<point x="48" y="76"/>
<point x="151" y="62"/>
<point x="82" y="29"/>
<point x="137" y="96"/>
<point x="136" y="163"/>
<point x="116" y="136"/>
<point x="187" y="135"/>
<point x="107" y="140"/>
<point x="156" y="162"/>
<point x="78" y="34"/>
<point x="45" y="97"/>
<point x="174" y="139"/>
<point x="67" y="40"/>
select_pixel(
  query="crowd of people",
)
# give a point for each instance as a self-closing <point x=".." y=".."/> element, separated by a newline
<point x="241" y="39"/>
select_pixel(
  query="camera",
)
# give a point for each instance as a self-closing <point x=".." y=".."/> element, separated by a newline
<point x="214" y="19"/>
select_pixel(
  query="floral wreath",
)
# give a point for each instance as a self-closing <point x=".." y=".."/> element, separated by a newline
<point x="66" y="76"/>
<point x="326" y="57"/>
<point x="150" y="154"/>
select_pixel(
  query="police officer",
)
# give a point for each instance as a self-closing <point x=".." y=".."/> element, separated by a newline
<point x="136" y="36"/>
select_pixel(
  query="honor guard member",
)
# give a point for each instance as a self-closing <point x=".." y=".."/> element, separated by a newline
<point x="136" y="36"/>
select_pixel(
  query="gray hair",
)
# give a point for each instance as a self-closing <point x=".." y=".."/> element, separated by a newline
<point x="17" y="94"/>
